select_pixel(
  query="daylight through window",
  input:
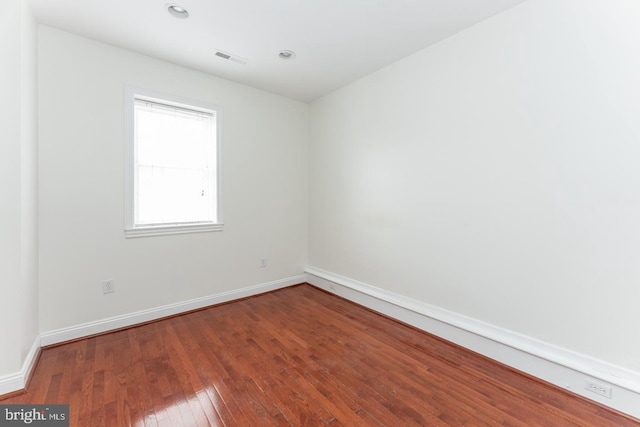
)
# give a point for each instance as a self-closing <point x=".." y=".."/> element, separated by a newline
<point x="174" y="167"/>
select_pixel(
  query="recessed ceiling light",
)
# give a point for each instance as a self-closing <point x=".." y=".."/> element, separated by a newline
<point x="177" y="11"/>
<point x="287" y="54"/>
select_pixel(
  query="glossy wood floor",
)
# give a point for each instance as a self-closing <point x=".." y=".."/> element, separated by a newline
<point x="297" y="356"/>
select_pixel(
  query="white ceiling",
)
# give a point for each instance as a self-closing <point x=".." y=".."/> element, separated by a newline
<point x="336" y="41"/>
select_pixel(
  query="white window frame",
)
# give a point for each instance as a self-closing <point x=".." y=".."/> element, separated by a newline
<point x="131" y="229"/>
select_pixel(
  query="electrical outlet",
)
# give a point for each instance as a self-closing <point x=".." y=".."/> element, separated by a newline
<point x="108" y="286"/>
<point x="597" y="388"/>
<point x="263" y="262"/>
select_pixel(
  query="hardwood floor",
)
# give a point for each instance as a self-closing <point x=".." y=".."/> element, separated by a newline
<point x="297" y="356"/>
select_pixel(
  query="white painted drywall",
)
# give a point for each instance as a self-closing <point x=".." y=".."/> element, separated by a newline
<point x="81" y="89"/>
<point x="29" y="181"/>
<point x="10" y="184"/>
<point x="495" y="175"/>
<point x="18" y="185"/>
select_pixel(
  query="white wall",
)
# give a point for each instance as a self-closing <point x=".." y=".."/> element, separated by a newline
<point x="495" y="175"/>
<point x="29" y="180"/>
<point x="81" y="87"/>
<point x="18" y="185"/>
<point x="10" y="184"/>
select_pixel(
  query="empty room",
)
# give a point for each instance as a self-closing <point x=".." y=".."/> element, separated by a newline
<point x="356" y="213"/>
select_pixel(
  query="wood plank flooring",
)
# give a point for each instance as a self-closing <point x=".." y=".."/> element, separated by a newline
<point x="293" y="357"/>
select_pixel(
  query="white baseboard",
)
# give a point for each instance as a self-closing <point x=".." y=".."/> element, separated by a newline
<point x="126" y="320"/>
<point x="564" y="368"/>
<point x="17" y="381"/>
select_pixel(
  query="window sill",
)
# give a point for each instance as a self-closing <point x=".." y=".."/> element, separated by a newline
<point x="171" y="229"/>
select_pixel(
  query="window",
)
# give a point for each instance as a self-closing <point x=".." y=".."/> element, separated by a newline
<point x="173" y="174"/>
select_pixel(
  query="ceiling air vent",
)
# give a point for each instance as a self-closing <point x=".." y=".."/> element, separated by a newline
<point x="230" y="57"/>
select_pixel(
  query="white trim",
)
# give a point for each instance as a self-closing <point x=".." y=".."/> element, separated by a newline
<point x="559" y="366"/>
<point x="131" y="93"/>
<point x="17" y="381"/>
<point x="126" y="320"/>
<point x="173" y="229"/>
